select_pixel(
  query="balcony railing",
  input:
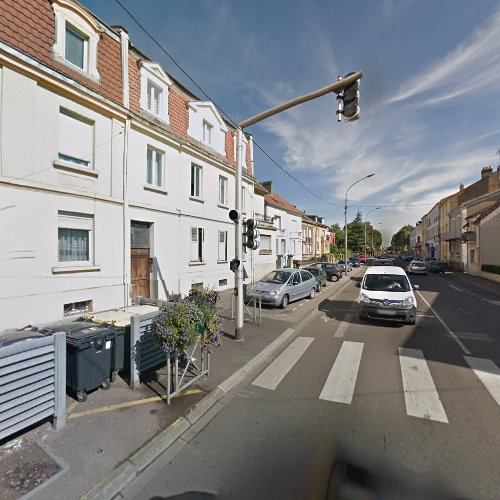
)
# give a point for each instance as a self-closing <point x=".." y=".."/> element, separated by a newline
<point x="264" y="218"/>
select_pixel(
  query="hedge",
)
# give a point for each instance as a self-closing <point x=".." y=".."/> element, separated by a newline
<point x="490" y="268"/>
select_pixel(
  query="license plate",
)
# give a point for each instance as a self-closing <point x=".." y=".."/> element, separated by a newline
<point x="386" y="312"/>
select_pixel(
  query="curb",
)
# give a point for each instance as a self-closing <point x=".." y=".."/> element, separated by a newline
<point x="185" y="428"/>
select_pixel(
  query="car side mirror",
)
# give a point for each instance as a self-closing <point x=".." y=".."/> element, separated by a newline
<point x="416" y="287"/>
<point x="358" y="285"/>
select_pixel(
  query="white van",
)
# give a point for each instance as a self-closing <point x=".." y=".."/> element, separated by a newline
<point x="386" y="293"/>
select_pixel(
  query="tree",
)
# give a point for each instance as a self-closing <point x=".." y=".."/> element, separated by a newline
<point x="339" y="234"/>
<point x="401" y="240"/>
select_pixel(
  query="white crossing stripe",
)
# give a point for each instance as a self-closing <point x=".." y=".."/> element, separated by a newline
<point x="277" y="370"/>
<point x="343" y="326"/>
<point x="421" y="397"/>
<point x="488" y="373"/>
<point x="339" y="386"/>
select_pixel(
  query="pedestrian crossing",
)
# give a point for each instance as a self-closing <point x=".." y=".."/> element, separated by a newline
<point x="421" y="396"/>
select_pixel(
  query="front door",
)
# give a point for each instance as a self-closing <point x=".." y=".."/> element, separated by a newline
<point x="140" y="259"/>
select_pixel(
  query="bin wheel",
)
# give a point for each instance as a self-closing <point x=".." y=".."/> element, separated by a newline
<point x="113" y="376"/>
<point x="81" y="396"/>
<point x="106" y="385"/>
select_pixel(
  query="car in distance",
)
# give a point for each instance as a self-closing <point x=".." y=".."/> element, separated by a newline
<point x="362" y="259"/>
<point x="319" y="274"/>
<point x="341" y="264"/>
<point x="416" y="267"/>
<point x="435" y="266"/>
<point x="382" y="262"/>
<point x="333" y="271"/>
<point x="355" y="261"/>
<point x="409" y="258"/>
<point x="282" y="286"/>
<point x="387" y="294"/>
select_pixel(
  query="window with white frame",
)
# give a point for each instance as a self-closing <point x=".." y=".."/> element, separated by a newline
<point x="196" y="180"/>
<point x="155" y="168"/>
<point x="223" y="182"/>
<point x="76" y="139"/>
<point x="75" y="238"/>
<point x="197" y="237"/>
<point x="265" y="242"/>
<point x="283" y="247"/>
<point x="207" y="132"/>
<point x="77" y="35"/>
<point x="277" y="219"/>
<point x="155" y="84"/>
<point x="222" y="255"/>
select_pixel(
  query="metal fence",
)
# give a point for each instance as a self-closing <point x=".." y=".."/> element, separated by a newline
<point x="32" y="383"/>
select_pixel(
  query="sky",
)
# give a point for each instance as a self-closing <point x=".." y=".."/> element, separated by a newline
<point x="430" y="92"/>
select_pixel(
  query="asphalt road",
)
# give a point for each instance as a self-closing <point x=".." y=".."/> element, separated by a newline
<point x="422" y="399"/>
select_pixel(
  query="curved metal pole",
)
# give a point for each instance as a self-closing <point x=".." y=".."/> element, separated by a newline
<point x="345" y="218"/>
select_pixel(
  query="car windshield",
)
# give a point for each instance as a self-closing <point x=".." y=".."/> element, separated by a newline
<point x="313" y="270"/>
<point x="418" y="264"/>
<point x="278" y="277"/>
<point x="341" y="261"/>
<point x="386" y="283"/>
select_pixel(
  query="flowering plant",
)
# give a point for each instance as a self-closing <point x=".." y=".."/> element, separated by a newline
<point x="180" y="323"/>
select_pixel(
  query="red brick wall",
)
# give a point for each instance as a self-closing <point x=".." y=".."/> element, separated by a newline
<point x="28" y="25"/>
<point x="230" y="147"/>
<point x="134" y="84"/>
<point x="178" y="112"/>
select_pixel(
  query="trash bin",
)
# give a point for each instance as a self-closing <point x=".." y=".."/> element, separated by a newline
<point x="94" y="353"/>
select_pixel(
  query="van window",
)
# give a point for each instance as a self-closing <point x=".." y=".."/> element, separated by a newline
<point x="386" y="283"/>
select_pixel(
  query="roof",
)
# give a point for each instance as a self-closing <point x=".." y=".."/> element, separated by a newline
<point x="277" y="201"/>
<point x="385" y="270"/>
<point x="481" y="214"/>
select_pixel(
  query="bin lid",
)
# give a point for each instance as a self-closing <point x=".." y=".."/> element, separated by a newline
<point x="88" y="332"/>
<point x="120" y="317"/>
<point x="11" y="336"/>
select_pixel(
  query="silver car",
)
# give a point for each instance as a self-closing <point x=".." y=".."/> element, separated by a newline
<point x="416" y="267"/>
<point x="282" y="286"/>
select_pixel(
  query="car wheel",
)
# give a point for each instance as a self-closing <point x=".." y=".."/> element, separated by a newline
<point x="312" y="293"/>
<point x="318" y="288"/>
<point x="411" y="322"/>
<point x="334" y="278"/>
<point x="284" y="301"/>
<point x="362" y="317"/>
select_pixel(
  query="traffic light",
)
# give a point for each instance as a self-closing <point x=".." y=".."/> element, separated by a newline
<point x="234" y="215"/>
<point x="252" y="234"/>
<point x="234" y="265"/>
<point x="350" y="97"/>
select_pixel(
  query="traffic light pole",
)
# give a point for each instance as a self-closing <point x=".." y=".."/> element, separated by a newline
<point x="336" y="87"/>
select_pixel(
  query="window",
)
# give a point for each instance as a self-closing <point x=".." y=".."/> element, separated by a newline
<point x="154" y="176"/>
<point x="154" y="95"/>
<point x="75" y="238"/>
<point x="243" y="199"/>
<point x="277" y="218"/>
<point x="76" y="139"/>
<point x="207" y="132"/>
<point x="76" y="47"/>
<point x="472" y="256"/>
<point x="83" y="306"/>
<point x="77" y="35"/>
<point x="283" y="247"/>
<point x="197" y="286"/>
<point x="197" y="237"/>
<point x="223" y="282"/>
<point x="222" y="190"/>
<point x="196" y="180"/>
<point x="265" y="242"/>
<point x="222" y="246"/>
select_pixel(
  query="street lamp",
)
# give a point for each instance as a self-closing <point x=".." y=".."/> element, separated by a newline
<point x="345" y="217"/>
<point x="366" y="220"/>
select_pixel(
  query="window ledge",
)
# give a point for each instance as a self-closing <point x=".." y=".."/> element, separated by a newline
<point x="71" y="167"/>
<point x="94" y="76"/>
<point x="197" y="263"/>
<point x="86" y="268"/>
<point x="158" y="117"/>
<point x="199" y="200"/>
<point x="155" y="189"/>
<point x="222" y="262"/>
<point x="223" y="206"/>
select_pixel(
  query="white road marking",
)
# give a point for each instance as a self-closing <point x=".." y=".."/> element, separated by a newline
<point x="339" y="386"/>
<point x="494" y="302"/>
<point x="488" y="373"/>
<point x="277" y="370"/>
<point x="294" y="309"/>
<point x="343" y="326"/>
<point x="301" y="304"/>
<point x="447" y="328"/>
<point x="421" y="397"/>
<point x="425" y="315"/>
<point x="457" y="288"/>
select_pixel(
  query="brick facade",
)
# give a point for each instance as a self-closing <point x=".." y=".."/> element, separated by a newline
<point x="134" y="79"/>
<point x="28" y="26"/>
<point x="230" y="147"/>
<point x="178" y="112"/>
<point x="248" y="159"/>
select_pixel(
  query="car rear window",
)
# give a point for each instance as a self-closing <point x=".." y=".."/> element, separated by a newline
<point x="418" y="264"/>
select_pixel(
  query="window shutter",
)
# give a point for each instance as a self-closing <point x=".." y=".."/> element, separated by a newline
<point x="194" y="244"/>
<point x="150" y="167"/>
<point x="76" y="139"/>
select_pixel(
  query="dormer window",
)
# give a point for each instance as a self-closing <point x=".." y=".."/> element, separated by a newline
<point x="154" y="90"/>
<point x="207" y="133"/>
<point x="76" y="38"/>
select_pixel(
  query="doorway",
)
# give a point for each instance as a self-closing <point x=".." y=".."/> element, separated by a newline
<point x="140" y="259"/>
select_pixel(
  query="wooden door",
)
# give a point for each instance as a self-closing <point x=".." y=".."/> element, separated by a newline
<point x="140" y="259"/>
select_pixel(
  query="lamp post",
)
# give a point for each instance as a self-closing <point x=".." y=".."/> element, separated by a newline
<point x="345" y="217"/>
<point x="336" y="87"/>
<point x="366" y="220"/>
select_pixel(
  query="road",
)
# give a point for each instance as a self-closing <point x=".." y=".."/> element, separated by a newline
<point x="423" y="398"/>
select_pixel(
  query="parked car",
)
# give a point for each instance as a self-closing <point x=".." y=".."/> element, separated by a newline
<point x="355" y="261"/>
<point x="341" y="264"/>
<point x="362" y="259"/>
<point x="333" y="271"/>
<point x="282" y="286"/>
<point x="416" y="267"/>
<point x="319" y="274"/>
<point x="435" y="266"/>
<point x="382" y="262"/>
<point x="386" y="294"/>
<point x="409" y="258"/>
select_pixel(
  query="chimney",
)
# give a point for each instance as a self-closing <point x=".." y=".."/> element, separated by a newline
<point x="461" y="187"/>
<point x="486" y="172"/>
<point x="268" y="185"/>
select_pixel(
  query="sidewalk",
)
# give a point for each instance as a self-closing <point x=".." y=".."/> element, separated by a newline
<point x="111" y="425"/>
<point x="491" y="286"/>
